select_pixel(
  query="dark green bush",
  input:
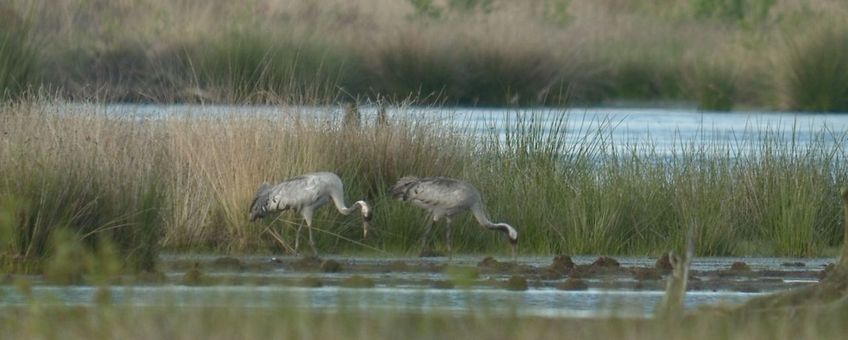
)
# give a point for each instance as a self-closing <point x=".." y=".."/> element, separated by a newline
<point x="816" y="77"/>
<point x="17" y="55"/>
<point x="712" y="86"/>
<point x="246" y="66"/>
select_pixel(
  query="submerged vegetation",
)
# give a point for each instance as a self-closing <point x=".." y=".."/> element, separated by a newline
<point x="719" y="55"/>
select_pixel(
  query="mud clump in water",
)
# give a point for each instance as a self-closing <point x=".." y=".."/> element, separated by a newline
<point x="606" y="262"/>
<point x="602" y="265"/>
<point x="663" y="264"/>
<point x="331" y="266"/>
<point x="561" y="266"/>
<point x="311" y="282"/>
<point x="793" y="264"/>
<point x="573" y="284"/>
<point x="646" y="274"/>
<point x="517" y="283"/>
<point x="562" y="263"/>
<point x="358" y="281"/>
<point x="737" y="268"/>
<point x="740" y="266"/>
<point x="490" y="265"/>
<point x="227" y="262"/>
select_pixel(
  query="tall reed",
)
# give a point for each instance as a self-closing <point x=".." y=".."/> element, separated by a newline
<point x="97" y="178"/>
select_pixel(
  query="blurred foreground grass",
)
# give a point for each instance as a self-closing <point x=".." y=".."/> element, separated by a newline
<point x="232" y="320"/>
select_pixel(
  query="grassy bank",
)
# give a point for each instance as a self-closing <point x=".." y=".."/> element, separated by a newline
<point x="185" y="182"/>
<point x="780" y="54"/>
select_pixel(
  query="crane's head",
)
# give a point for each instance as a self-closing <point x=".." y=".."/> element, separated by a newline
<point x="259" y="206"/>
<point x="512" y="236"/>
<point x="366" y="217"/>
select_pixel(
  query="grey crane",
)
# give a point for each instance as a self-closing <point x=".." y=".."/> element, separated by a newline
<point x="305" y="194"/>
<point x="447" y="197"/>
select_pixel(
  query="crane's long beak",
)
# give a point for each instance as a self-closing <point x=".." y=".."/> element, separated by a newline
<point x="514" y="251"/>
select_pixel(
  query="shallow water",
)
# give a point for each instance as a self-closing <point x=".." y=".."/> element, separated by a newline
<point x="263" y="282"/>
<point x="539" y="302"/>
<point x="659" y="131"/>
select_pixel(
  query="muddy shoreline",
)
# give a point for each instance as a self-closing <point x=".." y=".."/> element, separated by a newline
<point x="562" y="272"/>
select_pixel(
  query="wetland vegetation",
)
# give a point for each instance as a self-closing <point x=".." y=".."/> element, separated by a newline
<point x="718" y="55"/>
<point x="185" y="182"/>
<point x="88" y="197"/>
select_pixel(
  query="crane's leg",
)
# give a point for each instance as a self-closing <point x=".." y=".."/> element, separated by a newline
<point x="448" y="238"/>
<point x="297" y="238"/>
<point x="307" y="216"/>
<point x="427" y="229"/>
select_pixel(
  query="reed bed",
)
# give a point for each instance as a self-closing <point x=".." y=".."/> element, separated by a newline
<point x="718" y="55"/>
<point x="184" y="182"/>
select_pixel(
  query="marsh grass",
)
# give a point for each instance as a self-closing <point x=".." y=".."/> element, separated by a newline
<point x="184" y="182"/>
<point x="106" y="192"/>
<point x="587" y="195"/>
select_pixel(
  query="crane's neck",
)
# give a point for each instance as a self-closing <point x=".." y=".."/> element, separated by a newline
<point x="483" y="219"/>
<point x="363" y="207"/>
